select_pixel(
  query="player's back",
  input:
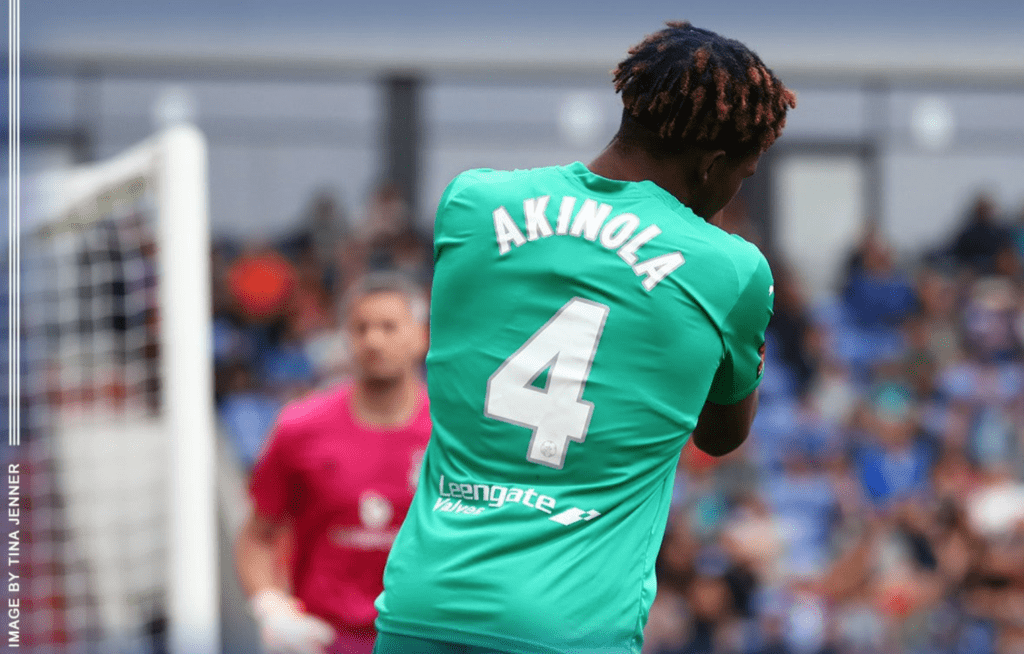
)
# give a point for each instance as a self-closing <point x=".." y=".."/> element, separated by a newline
<point x="577" y="324"/>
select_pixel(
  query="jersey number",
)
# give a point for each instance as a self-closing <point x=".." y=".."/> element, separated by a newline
<point x="555" y="410"/>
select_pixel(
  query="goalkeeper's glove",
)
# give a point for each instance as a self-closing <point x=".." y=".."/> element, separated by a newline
<point x="285" y="628"/>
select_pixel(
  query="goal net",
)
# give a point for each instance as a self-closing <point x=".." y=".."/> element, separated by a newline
<point x="116" y="452"/>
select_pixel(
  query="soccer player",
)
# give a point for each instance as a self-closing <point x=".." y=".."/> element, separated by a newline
<point x="585" y="319"/>
<point x="336" y="478"/>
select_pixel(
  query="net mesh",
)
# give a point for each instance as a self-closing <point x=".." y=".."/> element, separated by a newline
<point x="93" y="457"/>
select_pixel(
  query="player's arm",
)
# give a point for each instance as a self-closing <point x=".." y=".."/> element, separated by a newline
<point x="256" y="554"/>
<point x="285" y="627"/>
<point x="729" y="411"/>
<point x="722" y="428"/>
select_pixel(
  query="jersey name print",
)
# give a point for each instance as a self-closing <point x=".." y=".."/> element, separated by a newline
<point x="619" y="233"/>
<point x="578" y="326"/>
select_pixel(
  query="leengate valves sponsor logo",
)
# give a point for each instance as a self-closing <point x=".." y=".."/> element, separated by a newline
<point x="475" y="498"/>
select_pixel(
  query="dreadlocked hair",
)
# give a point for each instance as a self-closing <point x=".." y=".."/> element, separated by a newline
<point x="691" y="87"/>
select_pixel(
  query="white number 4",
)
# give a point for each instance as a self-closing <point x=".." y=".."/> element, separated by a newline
<point x="557" y="413"/>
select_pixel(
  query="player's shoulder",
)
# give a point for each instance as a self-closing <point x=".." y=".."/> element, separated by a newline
<point x="493" y="176"/>
<point x="315" y="409"/>
<point x="489" y="180"/>
<point x="747" y="257"/>
<point x="739" y="254"/>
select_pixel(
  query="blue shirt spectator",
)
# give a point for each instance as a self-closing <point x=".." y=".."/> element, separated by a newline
<point x="248" y="417"/>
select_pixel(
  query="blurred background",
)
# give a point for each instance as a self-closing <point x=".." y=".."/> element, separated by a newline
<point x="878" y="506"/>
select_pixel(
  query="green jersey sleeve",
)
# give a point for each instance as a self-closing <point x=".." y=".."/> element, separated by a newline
<point x="450" y="199"/>
<point x="743" y="335"/>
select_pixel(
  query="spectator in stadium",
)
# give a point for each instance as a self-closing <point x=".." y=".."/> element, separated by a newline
<point x="386" y="214"/>
<point x="322" y="226"/>
<point x="475" y="572"/>
<point x="246" y="411"/>
<point x="939" y="302"/>
<point x="312" y="307"/>
<point x="389" y="239"/>
<point x="261" y="282"/>
<point x="924" y="543"/>
<point x="877" y="293"/>
<point x="336" y="480"/>
<point x="286" y="368"/>
<point x="981" y="238"/>
<point x="789" y="327"/>
<point x="893" y="459"/>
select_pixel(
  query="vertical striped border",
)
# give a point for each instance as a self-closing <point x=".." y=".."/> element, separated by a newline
<point x="13" y="216"/>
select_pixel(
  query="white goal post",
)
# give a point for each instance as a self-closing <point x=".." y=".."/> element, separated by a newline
<point x="117" y="314"/>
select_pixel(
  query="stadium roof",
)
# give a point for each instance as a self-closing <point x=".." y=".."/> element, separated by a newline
<point x="937" y="38"/>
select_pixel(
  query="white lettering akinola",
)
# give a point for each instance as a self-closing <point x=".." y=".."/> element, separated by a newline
<point x="619" y="233"/>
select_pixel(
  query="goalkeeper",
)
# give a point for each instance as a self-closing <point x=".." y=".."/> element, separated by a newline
<point x="336" y="480"/>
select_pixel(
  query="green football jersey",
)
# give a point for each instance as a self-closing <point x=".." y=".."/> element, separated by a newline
<point x="578" y="325"/>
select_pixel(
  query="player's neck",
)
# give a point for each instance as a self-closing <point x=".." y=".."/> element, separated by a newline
<point x="385" y="403"/>
<point x="630" y="164"/>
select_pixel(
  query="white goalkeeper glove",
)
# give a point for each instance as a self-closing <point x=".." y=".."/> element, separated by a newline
<point x="285" y="628"/>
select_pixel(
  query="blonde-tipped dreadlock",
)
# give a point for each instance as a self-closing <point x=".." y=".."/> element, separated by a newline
<point x="690" y="86"/>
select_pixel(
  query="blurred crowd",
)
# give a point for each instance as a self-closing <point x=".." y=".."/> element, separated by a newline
<point x="878" y="507"/>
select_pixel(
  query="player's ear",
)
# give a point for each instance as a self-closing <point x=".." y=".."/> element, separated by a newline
<point x="709" y="163"/>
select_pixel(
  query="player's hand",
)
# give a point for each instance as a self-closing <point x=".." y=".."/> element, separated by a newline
<point x="286" y="629"/>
